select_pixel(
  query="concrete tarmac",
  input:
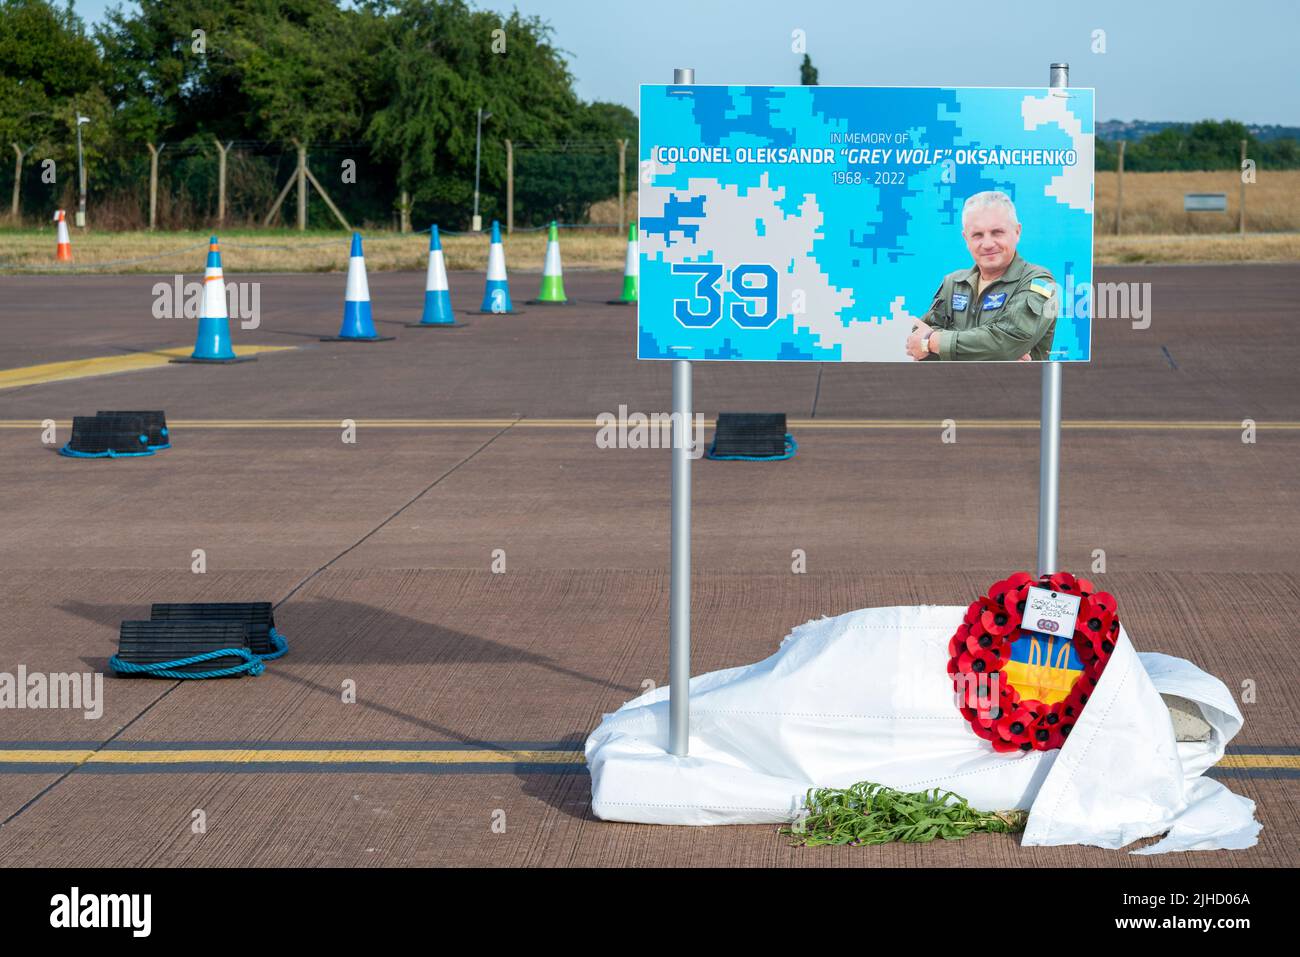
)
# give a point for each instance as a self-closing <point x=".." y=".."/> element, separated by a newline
<point x="474" y="689"/>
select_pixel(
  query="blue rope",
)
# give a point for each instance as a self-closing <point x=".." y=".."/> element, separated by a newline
<point x="791" y="447"/>
<point x="164" y="669"/>
<point x="253" y="664"/>
<point x="72" y="453"/>
<point x="281" y="646"/>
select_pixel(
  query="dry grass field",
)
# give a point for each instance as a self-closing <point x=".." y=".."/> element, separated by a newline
<point x="1156" y="230"/>
<point x="1153" y="202"/>
<point x="245" y="250"/>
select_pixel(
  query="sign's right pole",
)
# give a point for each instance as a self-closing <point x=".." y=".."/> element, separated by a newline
<point x="1049" y="442"/>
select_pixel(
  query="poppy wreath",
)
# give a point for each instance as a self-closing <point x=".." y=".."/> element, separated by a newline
<point x="981" y="648"/>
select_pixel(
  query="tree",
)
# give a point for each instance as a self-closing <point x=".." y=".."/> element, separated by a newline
<point x="439" y="66"/>
<point x="564" y="181"/>
<point x="297" y="62"/>
<point x="807" y="72"/>
<point x="49" y="69"/>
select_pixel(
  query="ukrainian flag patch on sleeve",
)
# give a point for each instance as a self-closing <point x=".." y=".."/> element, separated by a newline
<point x="1043" y="287"/>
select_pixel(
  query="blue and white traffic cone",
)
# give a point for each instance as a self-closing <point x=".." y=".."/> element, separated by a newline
<point x="212" y="344"/>
<point x="496" y="296"/>
<point x="358" y="324"/>
<point x="437" y="297"/>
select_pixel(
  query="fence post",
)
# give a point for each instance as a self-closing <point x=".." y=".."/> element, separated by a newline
<point x="404" y="224"/>
<point x="18" y="179"/>
<point x="221" y="179"/>
<point x="308" y="174"/>
<point x="1241" y="217"/>
<point x="302" y="186"/>
<point x="622" y="186"/>
<point x="153" y="183"/>
<point x="510" y="187"/>
<point x="1119" y="189"/>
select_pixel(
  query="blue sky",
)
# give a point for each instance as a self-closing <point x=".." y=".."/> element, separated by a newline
<point x="1185" y="60"/>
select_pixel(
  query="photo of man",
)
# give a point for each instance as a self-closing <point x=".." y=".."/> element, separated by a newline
<point x="1000" y="309"/>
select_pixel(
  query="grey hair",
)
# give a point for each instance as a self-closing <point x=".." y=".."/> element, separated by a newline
<point x="990" y="197"/>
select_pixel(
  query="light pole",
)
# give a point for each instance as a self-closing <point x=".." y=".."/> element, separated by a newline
<point x="477" y="225"/>
<point x="81" y="173"/>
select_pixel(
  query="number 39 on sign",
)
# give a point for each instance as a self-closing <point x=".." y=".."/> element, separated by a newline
<point x="749" y="299"/>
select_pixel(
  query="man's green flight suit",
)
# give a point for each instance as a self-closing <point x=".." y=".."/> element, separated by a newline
<point x="1015" y="314"/>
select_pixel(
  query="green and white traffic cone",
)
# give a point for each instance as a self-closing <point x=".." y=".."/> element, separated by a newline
<point x="631" y="270"/>
<point x="552" y="293"/>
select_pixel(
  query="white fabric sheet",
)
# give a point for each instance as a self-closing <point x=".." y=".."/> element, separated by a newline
<point x="866" y="696"/>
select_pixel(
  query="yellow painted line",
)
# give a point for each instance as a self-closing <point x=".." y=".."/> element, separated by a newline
<point x="410" y="756"/>
<point x="107" y="365"/>
<point x="1109" y="425"/>
<point x="302" y="756"/>
<point x="1291" y="761"/>
<point x="42" y="756"/>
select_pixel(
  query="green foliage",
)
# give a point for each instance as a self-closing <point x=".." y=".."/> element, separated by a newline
<point x="443" y="62"/>
<point x="869" y="813"/>
<point x="47" y="63"/>
<point x="299" y="62"/>
<point x="1207" y="145"/>
<point x="807" y="72"/>
<point x="562" y="181"/>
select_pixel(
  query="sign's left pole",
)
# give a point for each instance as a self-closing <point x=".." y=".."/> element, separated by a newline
<point x="679" y="585"/>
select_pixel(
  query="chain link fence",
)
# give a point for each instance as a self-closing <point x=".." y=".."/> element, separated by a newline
<point x="573" y="182"/>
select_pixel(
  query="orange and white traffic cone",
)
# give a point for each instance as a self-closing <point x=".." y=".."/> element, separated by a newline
<point x="63" y="253"/>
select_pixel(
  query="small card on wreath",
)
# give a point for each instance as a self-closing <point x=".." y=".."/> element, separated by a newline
<point x="1050" y="612"/>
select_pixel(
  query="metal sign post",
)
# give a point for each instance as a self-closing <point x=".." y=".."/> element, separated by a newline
<point x="679" y="587"/>
<point x="1049" y="442"/>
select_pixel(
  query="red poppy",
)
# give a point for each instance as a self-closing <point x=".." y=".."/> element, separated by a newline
<point x="980" y="639"/>
<point x="1016" y="600"/>
<point x="999" y="590"/>
<point x="1014" y="725"/>
<point x="1002" y="620"/>
<point x="1103" y="602"/>
<point x="1018" y="579"/>
<point x="974" y="692"/>
<point x="1064" y="581"/>
<point x="973" y="612"/>
<point x="1070" y="709"/>
<point x="1040" y="737"/>
<point x="1086" y="587"/>
<point x="1003" y="746"/>
<point x="1093" y="622"/>
<point x="1033" y="706"/>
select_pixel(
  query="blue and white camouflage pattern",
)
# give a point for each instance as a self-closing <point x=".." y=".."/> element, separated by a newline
<point x="835" y="259"/>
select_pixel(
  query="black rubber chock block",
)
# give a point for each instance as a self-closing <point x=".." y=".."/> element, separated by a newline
<point x="749" y="433"/>
<point x="257" y="615"/>
<point x="97" y="434"/>
<point x="155" y="424"/>
<point x="153" y="642"/>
